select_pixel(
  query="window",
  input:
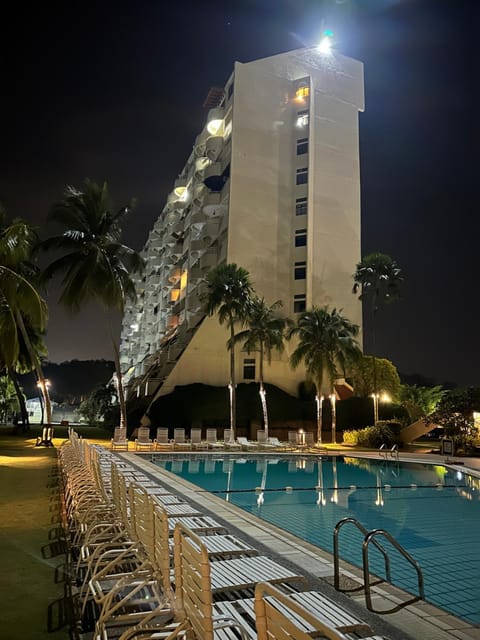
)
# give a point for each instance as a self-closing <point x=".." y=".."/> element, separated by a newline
<point x="299" y="303"/>
<point x="249" y="368"/>
<point x="301" y="238"/>
<point x="302" y="146"/>
<point x="300" y="270"/>
<point x="302" y="92"/>
<point x="302" y="176"/>
<point x="301" y="206"/>
<point x="302" y="119"/>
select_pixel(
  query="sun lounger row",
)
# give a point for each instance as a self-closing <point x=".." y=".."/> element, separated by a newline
<point x="162" y="442"/>
<point x="147" y="564"/>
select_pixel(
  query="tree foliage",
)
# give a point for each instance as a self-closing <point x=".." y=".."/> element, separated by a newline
<point x="99" y="404"/>
<point x="228" y="294"/>
<point x="326" y="345"/>
<point x="362" y="377"/>
<point x="455" y="414"/>
<point x="420" y="402"/>
<point x="94" y="264"/>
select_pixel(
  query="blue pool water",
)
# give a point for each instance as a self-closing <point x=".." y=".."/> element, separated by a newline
<point x="434" y="512"/>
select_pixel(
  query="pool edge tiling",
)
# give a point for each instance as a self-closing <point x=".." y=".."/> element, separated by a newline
<point x="420" y="620"/>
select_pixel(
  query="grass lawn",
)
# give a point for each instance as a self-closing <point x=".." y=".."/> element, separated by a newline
<point x="31" y="550"/>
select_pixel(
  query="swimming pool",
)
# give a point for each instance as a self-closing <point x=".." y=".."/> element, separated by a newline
<point x="432" y="511"/>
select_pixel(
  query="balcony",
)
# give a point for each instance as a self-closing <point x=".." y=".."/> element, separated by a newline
<point x="199" y="146"/>
<point x="213" y="177"/>
<point x="213" y="147"/>
<point x="215" y="121"/>
<point x="212" y="205"/>
<point x="200" y="165"/>
<point x="209" y="259"/>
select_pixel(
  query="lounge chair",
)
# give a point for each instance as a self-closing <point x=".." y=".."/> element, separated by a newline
<point x="120" y="440"/>
<point x="276" y="443"/>
<point x="162" y="441"/>
<point x="196" y="439"/>
<point x="212" y="441"/>
<point x="262" y="440"/>
<point x="143" y="440"/>
<point x="247" y="445"/>
<point x="292" y="439"/>
<point x="179" y="440"/>
<point x="227" y="443"/>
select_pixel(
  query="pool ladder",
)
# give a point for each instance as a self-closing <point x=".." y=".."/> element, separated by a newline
<point x="370" y="537"/>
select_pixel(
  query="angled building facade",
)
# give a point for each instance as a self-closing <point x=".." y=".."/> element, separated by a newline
<point x="272" y="184"/>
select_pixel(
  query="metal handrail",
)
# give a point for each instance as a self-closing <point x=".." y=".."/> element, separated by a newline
<point x="336" y="555"/>
<point x="370" y="537"/>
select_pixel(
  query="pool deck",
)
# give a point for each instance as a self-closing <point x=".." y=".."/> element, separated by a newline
<point x="420" y="620"/>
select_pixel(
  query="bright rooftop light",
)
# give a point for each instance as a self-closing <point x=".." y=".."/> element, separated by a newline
<point x="326" y="41"/>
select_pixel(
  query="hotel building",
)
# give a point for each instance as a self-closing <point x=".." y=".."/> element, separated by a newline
<point x="273" y="185"/>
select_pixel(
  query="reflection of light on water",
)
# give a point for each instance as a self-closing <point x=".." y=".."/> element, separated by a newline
<point x="321" y="500"/>
<point x="440" y="471"/>
<point x="464" y="494"/>
<point x="459" y="475"/>
<point x="379" y="498"/>
<point x="334" y="497"/>
<point x="301" y="464"/>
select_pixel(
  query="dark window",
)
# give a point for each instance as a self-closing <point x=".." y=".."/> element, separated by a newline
<point x="302" y="176"/>
<point x="299" y="303"/>
<point x="302" y="146"/>
<point x="301" y="206"/>
<point x="300" y="270"/>
<point x="301" y="238"/>
<point x="249" y="368"/>
<point x="230" y="91"/>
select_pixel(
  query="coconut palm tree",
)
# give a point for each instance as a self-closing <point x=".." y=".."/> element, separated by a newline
<point x="23" y="312"/>
<point x="95" y="265"/>
<point x="228" y="294"/>
<point x="326" y="344"/>
<point x="265" y="333"/>
<point x="378" y="278"/>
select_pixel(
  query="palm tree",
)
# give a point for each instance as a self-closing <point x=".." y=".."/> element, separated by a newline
<point x="378" y="277"/>
<point x="95" y="265"/>
<point x="326" y="344"/>
<point x="228" y="294"/>
<point x="23" y="312"/>
<point x="265" y="333"/>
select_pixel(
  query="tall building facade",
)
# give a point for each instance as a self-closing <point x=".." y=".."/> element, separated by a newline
<point x="272" y="184"/>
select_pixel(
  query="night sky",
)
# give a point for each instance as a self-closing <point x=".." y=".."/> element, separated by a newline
<point x="114" y="91"/>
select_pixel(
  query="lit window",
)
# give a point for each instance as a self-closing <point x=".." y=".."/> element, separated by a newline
<point x="302" y="118"/>
<point x="249" y="368"/>
<point x="302" y="92"/>
<point x="301" y="207"/>
<point x="301" y="238"/>
<point x="299" y="303"/>
<point x="302" y="175"/>
<point x="302" y="146"/>
<point x="300" y="270"/>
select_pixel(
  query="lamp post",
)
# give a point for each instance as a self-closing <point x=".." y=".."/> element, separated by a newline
<point x="375" y="408"/>
<point x="333" y="400"/>
<point x="319" y="401"/>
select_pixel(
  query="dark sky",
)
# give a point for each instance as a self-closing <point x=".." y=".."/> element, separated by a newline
<point x="114" y="91"/>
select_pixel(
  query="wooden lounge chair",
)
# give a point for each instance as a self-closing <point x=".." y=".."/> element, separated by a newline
<point x="224" y="576"/>
<point x="143" y="440"/>
<point x="162" y="441"/>
<point x="120" y="440"/>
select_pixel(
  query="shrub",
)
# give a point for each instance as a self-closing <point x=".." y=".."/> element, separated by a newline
<point x="384" y="432"/>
